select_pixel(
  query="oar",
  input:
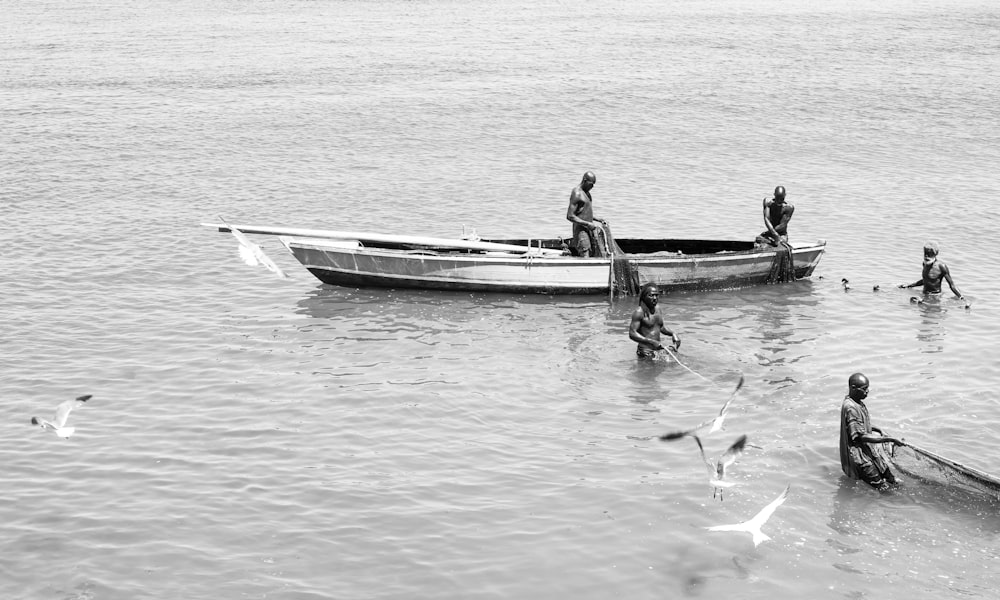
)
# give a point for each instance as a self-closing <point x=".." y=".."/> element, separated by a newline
<point x="377" y="238"/>
<point x="715" y="422"/>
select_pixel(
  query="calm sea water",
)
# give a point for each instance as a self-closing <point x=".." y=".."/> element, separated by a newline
<point x="251" y="437"/>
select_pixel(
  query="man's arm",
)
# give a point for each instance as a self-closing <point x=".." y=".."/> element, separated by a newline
<point x="786" y="216"/>
<point x="767" y="221"/>
<point x="856" y="430"/>
<point x="871" y="438"/>
<point x="572" y="217"/>
<point x="674" y="338"/>
<point x="914" y="284"/>
<point x="571" y="211"/>
<point x="947" y="277"/>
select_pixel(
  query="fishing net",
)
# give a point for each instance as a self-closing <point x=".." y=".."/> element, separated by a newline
<point x="624" y="273"/>
<point x="782" y="269"/>
<point x="928" y="466"/>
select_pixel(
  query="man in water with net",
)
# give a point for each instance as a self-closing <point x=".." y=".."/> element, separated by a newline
<point x="934" y="271"/>
<point x="581" y="214"/>
<point x="647" y="324"/>
<point x="862" y="454"/>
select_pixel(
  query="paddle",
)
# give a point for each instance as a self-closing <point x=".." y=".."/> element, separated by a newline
<point x="715" y="422"/>
<point x="378" y="238"/>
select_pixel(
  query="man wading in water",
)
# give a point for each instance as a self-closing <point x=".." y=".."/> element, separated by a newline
<point x="861" y="453"/>
<point x="647" y="324"/>
<point x="933" y="272"/>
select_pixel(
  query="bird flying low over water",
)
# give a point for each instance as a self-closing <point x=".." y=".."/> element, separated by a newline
<point x="716" y="422"/>
<point x="252" y="254"/>
<point x="717" y="469"/>
<point x="58" y="424"/>
<point x="753" y="525"/>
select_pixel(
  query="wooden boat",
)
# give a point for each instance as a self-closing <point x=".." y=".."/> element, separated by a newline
<point x="541" y="266"/>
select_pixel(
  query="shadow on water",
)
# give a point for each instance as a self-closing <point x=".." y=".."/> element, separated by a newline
<point x="932" y="331"/>
<point x="770" y="326"/>
<point x="650" y="378"/>
<point x="333" y="302"/>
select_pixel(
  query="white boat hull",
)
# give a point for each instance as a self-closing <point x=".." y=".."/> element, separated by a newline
<point x="349" y="263"/>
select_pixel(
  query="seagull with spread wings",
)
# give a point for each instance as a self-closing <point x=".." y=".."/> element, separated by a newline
<point x="717" y="469"/>
<point x="716" y="422"/>
<point x="58" y="424"/>
<point x="753" y="525"/>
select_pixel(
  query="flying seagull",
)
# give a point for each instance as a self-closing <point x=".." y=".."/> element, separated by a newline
<point x="717" y="469"/>
<point x="753" y="525"/>
<point x="58" y="424"/>
<point x="252" y="254"/>
<point x="716" y="422"/>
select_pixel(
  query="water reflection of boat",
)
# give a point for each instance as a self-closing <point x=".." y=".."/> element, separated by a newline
<point x="358" y="259"/>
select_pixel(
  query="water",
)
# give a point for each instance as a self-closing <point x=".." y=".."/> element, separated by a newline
<point x="251" y="437"/>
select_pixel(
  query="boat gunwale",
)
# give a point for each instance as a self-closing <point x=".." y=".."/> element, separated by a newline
<point x="428" y="253"/>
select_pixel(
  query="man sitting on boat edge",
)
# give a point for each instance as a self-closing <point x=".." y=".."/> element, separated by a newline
<point x="777" y="214"/>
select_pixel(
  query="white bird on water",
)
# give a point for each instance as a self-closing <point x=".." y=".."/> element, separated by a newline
<point x="753" y="525"/>
<point x="58" y="424"/>
<point x="717" y="469"/>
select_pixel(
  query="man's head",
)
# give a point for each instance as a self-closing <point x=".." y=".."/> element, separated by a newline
<point x="857" y="386"/>
<point x="589" y="179"/>
<point x="931" y="249"/>
<point x="779" y="193"/>
<point x="649" y="295"/>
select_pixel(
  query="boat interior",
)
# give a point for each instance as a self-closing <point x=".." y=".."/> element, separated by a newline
<point x="645" y="246"/>
<point x="555" y="246"/>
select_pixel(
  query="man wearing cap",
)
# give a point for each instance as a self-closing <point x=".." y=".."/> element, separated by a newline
<point x="777" y="214"/>
<point x="934" y="271"/>
<point x="861" y="451"/>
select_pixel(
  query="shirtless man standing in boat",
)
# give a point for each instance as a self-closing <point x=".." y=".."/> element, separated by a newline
<point x="777" y="214"/>
<point x="581" y="214"/>
<point x="933" y="272"/>
<point x="647" y="324"/>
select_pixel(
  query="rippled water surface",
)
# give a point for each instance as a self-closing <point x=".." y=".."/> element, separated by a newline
<point x="251" y="437"/>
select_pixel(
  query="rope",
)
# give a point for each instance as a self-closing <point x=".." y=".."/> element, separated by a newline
<point x="688" y="368"/>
